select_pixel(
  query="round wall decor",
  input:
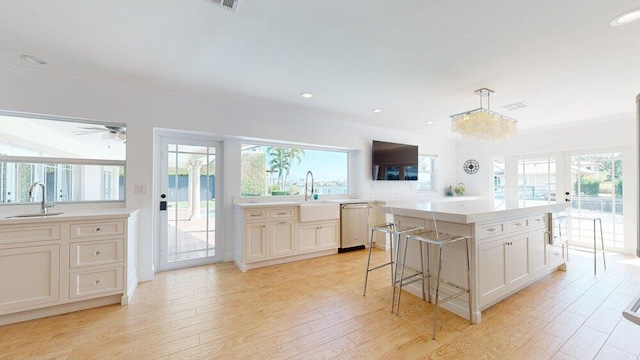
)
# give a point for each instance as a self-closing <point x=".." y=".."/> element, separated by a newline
<point x="471" y="166"/>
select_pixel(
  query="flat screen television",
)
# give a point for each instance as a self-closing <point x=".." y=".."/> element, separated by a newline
<point x="391" y="161"/>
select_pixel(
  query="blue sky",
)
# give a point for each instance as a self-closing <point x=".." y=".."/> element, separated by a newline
<point x="325" y="165"/>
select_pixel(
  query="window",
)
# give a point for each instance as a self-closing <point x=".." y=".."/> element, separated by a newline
<point x="498" y="178"/>
<point x="426" y="172"/>
<point x="278" y="170"/>
<point x="537" y="179"/>
<point x="76" y="161"/>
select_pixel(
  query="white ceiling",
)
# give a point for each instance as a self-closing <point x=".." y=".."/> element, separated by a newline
<point x="418" y="60"/>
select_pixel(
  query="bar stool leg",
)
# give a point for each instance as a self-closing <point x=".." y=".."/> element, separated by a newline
<point x="366" y="274"/>
<point x="466" y="246"/>
<point x="428" y="273"/>
<point x="604" y="259"/>
<point x="404" y="257"/>
<point x="435" y="312"/>
<point x="595" y="250"/>
<point x="424" y="296"/>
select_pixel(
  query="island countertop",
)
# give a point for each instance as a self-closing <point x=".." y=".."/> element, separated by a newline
<point x="474" y="211"/>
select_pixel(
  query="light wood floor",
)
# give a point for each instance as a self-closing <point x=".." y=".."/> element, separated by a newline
<point x="315" y="310"/>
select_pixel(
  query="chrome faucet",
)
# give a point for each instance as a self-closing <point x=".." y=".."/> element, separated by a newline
<point x="306" y="179"/>
<point x="44" y="207"/>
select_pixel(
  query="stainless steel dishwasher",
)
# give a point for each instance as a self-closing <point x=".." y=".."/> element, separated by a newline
<point x="354" y="226"/>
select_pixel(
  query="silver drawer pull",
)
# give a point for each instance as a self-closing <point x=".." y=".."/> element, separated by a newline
<point x="491" y="230"/>
<point x="518" y="224"/>
<point x="97" y="253"/>
<point x="255" y="215"/>
<point x="97" y="229"/>
<point x="282" y="213"/>
<point x="283" y="222"/>
<point x="537" y="219"/>
<point x="96" y="282"/>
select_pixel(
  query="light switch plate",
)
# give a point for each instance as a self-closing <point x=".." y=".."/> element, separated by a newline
<point x="140" y="189"/>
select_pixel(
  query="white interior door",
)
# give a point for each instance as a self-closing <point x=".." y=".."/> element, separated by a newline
<point x="189" y="213"/>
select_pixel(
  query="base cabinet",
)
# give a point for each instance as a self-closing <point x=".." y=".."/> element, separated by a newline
<point x="512" y="254"/>
<point x="502" y="266"/>
<point x="282" y="238"/>
<point x="539" y="258"/>
<point x="56" y="265"/>
<point x="316" y="236"/>
<point x="255" y="240"/>
<point x="30" y="277"/>
<point x="272" y="235"/>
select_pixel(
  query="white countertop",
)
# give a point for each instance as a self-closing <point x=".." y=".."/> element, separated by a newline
<point x="474" y="211"/>
<point x="298" y="202"/>
<point x="67" y="215"/>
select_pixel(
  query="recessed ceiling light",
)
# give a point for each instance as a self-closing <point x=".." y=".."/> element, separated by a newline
<point x="377" y="110"/>
<point x="626" y="18"/>
<point x="429" y="122"/>
<point x="33" y="59"/>
<point x="306" y="95"/>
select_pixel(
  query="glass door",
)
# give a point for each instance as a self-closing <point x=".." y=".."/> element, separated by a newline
<point x="188" y="203"/>
<point x="596" y="192"/>
<point x="537" y="179"/>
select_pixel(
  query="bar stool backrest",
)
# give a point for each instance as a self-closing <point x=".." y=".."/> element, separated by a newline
<point x="435" y="226"/>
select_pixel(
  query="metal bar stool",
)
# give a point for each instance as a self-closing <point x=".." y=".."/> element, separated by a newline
<point x="440" y="240"/>
<point x="595" y="241"/>
<point x="395" y="232"/>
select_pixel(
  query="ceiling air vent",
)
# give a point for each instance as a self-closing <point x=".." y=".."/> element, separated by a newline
<point x="231" y="5"/>
<point x="516" y="106"/>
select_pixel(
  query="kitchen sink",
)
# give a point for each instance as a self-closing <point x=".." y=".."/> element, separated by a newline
<point x="318" y="211"/>
<point x="34" y="215"/>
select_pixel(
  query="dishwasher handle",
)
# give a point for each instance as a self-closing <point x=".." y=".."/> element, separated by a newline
<point x="355" y="206"/>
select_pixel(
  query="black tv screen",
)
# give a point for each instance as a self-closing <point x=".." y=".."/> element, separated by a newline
<point x="393" y="161"/>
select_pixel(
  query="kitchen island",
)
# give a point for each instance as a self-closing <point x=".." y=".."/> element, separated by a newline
<point x="509" y="246"/>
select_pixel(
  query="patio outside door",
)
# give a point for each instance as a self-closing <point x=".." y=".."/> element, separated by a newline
<point x="596" y="192"/>
<point x="188" y="209"/>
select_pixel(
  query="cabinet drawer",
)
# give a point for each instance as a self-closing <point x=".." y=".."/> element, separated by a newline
<point x="88" y="230"/>
<point x="287" y="213"/>
<point x="20" y="233"/>
<point x="251" y="215"/>
<point x="95" y="282"/>
<point x="490" y="230"/>
<point x="517" y="225"/>
<point x="96" y="253"/>
<point x="538" y="221"/>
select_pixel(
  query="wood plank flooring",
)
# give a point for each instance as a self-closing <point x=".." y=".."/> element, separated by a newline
<point x="314" y="309"/>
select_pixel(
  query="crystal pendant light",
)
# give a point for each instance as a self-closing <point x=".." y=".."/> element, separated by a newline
<point x="483" y="124"/>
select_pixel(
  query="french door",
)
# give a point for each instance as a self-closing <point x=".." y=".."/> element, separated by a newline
<point x="596" y="192"/>
<point x="189" y="213"/>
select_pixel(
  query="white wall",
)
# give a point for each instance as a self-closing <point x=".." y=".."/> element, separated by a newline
<point x="144" y="109"/>
<point x="607" y="135"/>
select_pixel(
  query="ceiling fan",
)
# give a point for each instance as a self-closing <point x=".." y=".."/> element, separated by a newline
<point x="110" y="132"/>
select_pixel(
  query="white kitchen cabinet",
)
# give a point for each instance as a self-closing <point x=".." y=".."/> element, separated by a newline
<point x="492" y="270"/>
<point x="30" y="277"/>
<point x="308" y="239"/>
<point x="318" y="235"/>
<point x="269" y="235"/>
<point x="282" y="238"/>
<point x="538" y="252"/>
<point x="329" y="235"/>
<point x="255" y="241"/>
<point x="66" y="263"/>
<point x="505" y="262"/>
<point x="557" y="255"/>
